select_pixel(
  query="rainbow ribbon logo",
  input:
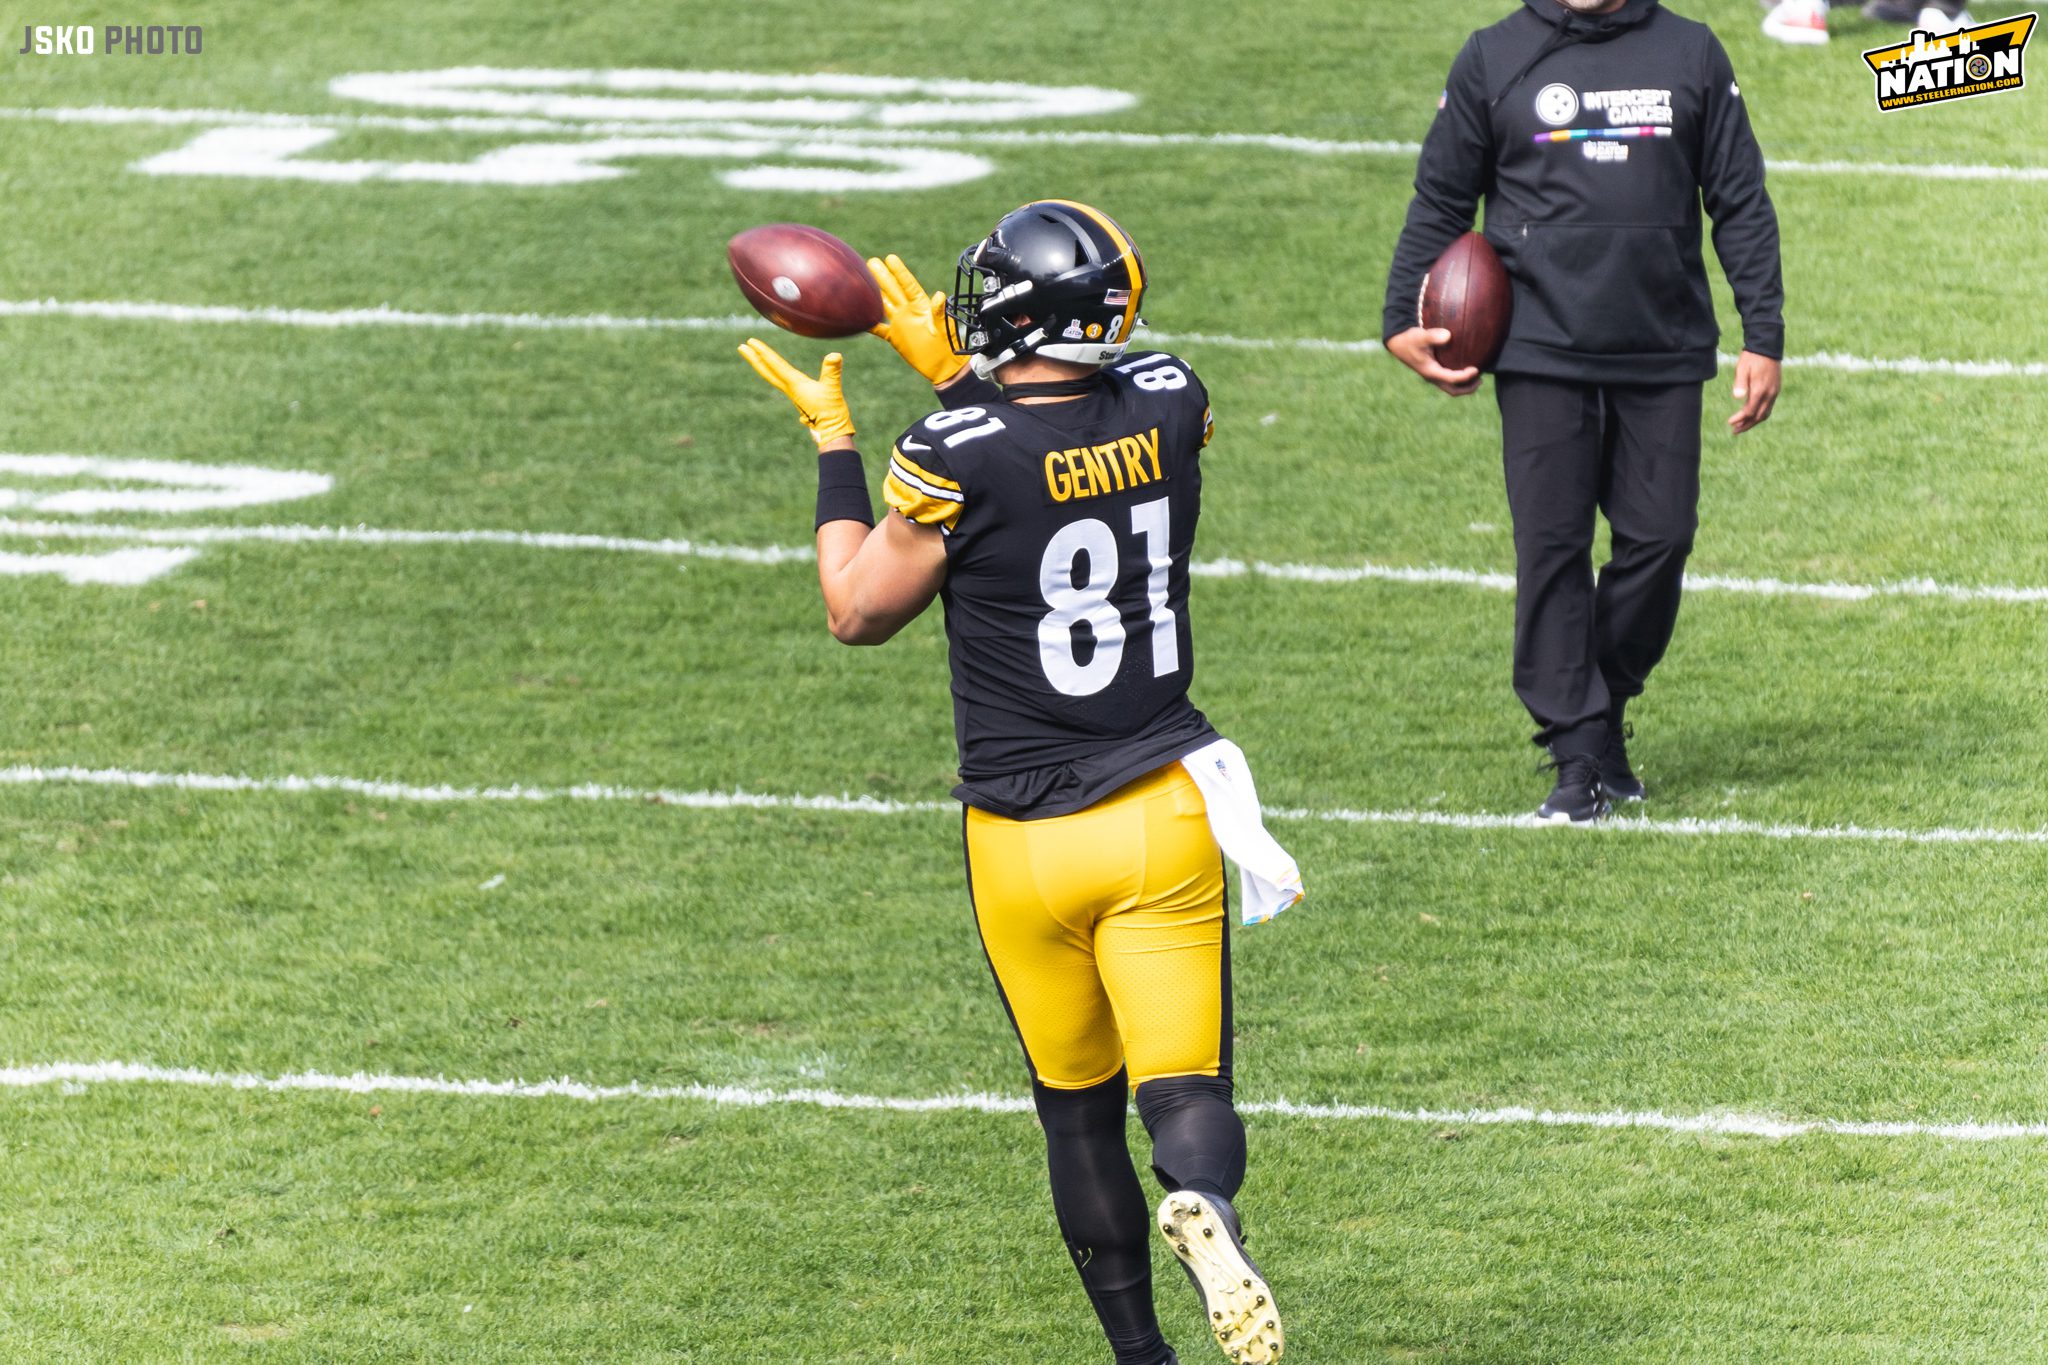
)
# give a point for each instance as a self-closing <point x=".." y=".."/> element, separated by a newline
<point x="1576" y="134"/>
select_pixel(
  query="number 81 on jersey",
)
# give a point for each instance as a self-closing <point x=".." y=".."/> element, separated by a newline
<point x="1078" y="664"/>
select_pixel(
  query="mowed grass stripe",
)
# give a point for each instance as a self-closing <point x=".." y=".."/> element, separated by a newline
<point x="144" y="310"/>
<point x="365" y="1237"/>
<point x="793" y="950"/>
<point x="731" y="1096"/>
<point x="29" y="775"/>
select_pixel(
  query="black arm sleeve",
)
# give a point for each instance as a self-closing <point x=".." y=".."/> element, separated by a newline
<point x="970" y="390"/>
<point x="1454" y="171"/>
<point x="1745" y="222"/>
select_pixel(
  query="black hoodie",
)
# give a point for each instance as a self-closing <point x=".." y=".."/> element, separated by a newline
<point x="1595" y="140"/>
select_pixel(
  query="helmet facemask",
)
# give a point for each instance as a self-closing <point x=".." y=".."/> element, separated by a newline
<point x="977" y="314"/>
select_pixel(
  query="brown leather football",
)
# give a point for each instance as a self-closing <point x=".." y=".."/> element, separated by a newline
<point x="1467" y="293"/>
<point x="805" y="280"/>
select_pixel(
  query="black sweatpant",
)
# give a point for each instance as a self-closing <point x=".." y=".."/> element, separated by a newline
<point x="1631" y="451"/>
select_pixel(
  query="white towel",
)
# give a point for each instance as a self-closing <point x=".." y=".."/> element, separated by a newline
<point x="1268" y="879"/>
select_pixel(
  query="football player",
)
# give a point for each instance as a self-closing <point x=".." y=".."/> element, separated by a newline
<point x="1051" y="505"/>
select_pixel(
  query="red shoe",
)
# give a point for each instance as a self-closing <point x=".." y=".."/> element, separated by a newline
<point x="1803" y="23"/>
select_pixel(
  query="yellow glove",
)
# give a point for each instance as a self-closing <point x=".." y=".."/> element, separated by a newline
<point x="914" y="322"/>
<point x="819" y="402"/>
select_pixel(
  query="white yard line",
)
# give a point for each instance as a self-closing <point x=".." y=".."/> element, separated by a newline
<point x="80" y="1075"/>
<point x="1688" y="827"/>
<point x="25" y="776"/>
<point x="1335" y="574"/>
<point x="370" y="535"/>
<point x="1913" y="365"/>
<point x="324" y="319"/>
<point x="106" y="115"/>
<point x="518" y="793"/>
<point x="1694" y="582"/>
<point x="328" y="319"/>
<point x="1918" y="170"/>
<point x="120" y="310"/>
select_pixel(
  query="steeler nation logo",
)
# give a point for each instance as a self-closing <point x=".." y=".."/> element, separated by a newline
<point x="1987" y="59"/>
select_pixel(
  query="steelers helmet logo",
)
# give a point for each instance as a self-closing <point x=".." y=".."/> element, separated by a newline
<point x="1557" y="105"/>
<point x="1979" y="67"/>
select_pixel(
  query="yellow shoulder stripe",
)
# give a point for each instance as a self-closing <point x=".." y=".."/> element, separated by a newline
<point x="918" y="471"/>
<point x="921" y="496"/>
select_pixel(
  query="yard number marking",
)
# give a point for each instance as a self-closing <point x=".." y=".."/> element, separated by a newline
<point x="768" y="122"/>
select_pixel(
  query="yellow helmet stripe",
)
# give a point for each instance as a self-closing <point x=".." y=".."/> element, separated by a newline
<point x="1123" y="245"/>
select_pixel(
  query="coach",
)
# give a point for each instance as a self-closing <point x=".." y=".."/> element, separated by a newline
<point x="1596" y="130"/>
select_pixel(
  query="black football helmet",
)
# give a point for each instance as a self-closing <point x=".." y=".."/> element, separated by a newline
<point x="1066" y="267"/>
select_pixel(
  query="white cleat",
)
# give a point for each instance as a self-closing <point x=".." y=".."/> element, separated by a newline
<point x="1235" y="1298"/>
<point x="1937" y="21"/>
<point x="1803" y="23"/>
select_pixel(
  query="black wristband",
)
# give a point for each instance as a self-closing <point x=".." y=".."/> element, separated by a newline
<point x="843" y="488"/>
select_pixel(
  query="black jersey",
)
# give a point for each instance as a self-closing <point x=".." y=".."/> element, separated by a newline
<point x="1069" y="527"/>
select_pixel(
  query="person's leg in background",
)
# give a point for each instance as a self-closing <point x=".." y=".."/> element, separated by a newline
<point x="1803" y="23"/>
<point x="1551" y="447"/>
<point x="1650" y="492"/>
<point x="1934" y="16"/>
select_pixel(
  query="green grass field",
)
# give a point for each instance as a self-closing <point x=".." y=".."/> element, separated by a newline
<point x="1681" y="970"/>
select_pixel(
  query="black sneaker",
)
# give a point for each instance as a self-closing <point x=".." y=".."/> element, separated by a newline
<point x="1617" y="779"/>
<point x="1578" y="798"/>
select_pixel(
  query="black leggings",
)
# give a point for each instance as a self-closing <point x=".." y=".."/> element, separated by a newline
<point x="1197" y="1143"/>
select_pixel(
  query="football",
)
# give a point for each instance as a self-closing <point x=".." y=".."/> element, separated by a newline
<point x="805" y="280"/>
<point x="1467" y="293"/>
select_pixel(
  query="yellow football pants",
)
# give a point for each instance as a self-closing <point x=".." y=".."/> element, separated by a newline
<point x="1105" y="929"/>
